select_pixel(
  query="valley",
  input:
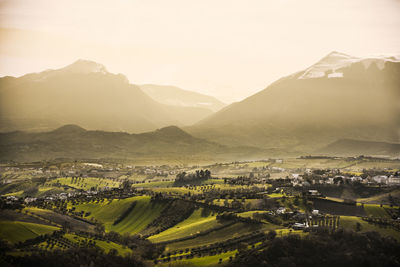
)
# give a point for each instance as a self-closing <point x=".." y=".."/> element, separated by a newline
<point x="182" y="214"/>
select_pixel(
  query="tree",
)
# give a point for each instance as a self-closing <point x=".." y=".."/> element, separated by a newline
<point x="358" y="227"/>
<point x="99" y="229"/>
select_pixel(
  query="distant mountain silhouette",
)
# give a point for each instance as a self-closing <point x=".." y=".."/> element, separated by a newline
<point x="348" y="147"/>
<point x="171" y="95"/>
<point x="74" y="142"/>
<point x="339" y="97"/>
<point x="85" y="93"/>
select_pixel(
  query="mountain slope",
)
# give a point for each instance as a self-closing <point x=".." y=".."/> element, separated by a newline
<point x="84" y="93"/>
<point x="71" y="141"/>
<point x="348" y="147"/>
<point x="338" y="97"/>
<point x="171" y="95"/>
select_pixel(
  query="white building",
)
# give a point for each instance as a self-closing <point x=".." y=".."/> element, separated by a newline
<point x="393" y="180"/>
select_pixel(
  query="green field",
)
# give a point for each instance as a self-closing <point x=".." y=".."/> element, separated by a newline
<point x="106" y="246"/>
<point x="108" y="212"/>
<point x="86" y="183"/>
<point x="205" y="261"/>
<point x="196" y="223"/>
<point x="349" y="222"/>
<point x="376" y="211"/>
<point x="235" y="230"/>
<point x="154" y="184"/>
<point x="145" y="212"/>
<point x="20" y="231"/>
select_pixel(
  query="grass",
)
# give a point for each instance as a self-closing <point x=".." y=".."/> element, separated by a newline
<point x="15" y="232"/>
<point x="196" y="223"/>
<point x="349" y="222"/>
<point x="276" y="195"/>
<point x="145" y="212"/>
<point x="249" y="214"/>
<point x="235" y="230"/>
<point x="106" y="246"/>
<point x="209" y="260"/>
<point x="108" y="211"/>
<point x="86" y="183"/>
<point x="376" y="211"/>
<point x="154" y="184"/>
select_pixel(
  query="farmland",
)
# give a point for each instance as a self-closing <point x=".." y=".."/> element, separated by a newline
<point x="20" y="231"/>
<point x="203" y="221"/>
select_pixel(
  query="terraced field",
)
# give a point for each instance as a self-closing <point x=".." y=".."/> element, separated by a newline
<point x="20" y="231"/>
<point x="196" y="223"/>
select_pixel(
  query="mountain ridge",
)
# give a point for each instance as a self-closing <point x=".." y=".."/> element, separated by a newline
<point x="72" y="141"/>
<point x="305" y="114"/>
<point x="85" y="93"/>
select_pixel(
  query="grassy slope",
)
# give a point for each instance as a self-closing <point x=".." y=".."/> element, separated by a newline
<point x="86" y="183"/>
<point x="192" y="225"/>
<point x="376" y="211"/>
<point x="237" y="229"/>
<point x="144" y="213"/>
<point x="107" y="246"/>
<point x="349" y="222"/>
<point x="21" y="231"/>
<point x="207" y="260"/>
<point x="108" y="211"/>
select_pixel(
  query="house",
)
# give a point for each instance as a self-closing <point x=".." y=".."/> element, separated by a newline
<point x="299" y="226"/>
<point x="392" y="180"/>
<point x="380" y="179"/>
<point x="28" y="200"/>
<point x="313" y="192"/>
<point x="281" y="210"/>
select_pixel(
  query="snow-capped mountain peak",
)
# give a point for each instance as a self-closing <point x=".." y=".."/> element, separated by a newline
<point x="334" y="61"/>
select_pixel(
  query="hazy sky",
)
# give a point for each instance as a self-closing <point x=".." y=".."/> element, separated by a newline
<point x="226" y="48"/>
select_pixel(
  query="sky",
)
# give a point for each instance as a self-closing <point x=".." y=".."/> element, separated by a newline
<point x="225" y="48"/>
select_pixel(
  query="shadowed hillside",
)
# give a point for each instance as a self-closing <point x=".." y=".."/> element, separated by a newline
<point x="171" y="95"/>
<point x="85" y="93"/>
<point x="71" y="141"/>
<point x="348" y="147"/>
<point x="339" y="97"/>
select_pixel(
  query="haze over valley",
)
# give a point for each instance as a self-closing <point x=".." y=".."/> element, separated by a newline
<point x="199" y="133"/>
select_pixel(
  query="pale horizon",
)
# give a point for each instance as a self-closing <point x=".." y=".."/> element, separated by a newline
<point x="228" y="49"/>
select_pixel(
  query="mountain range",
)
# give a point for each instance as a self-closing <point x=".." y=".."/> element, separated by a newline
<point x="74" y="142"/>
<point x="174" y="96"/>
<point x="85" y="93"/>
<point x="339" y="97"/>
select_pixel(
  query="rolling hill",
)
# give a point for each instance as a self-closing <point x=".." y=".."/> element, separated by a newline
<point x="85" y="93"/>
<point x="339" y="97"/>
<point x="71" y="141"/>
